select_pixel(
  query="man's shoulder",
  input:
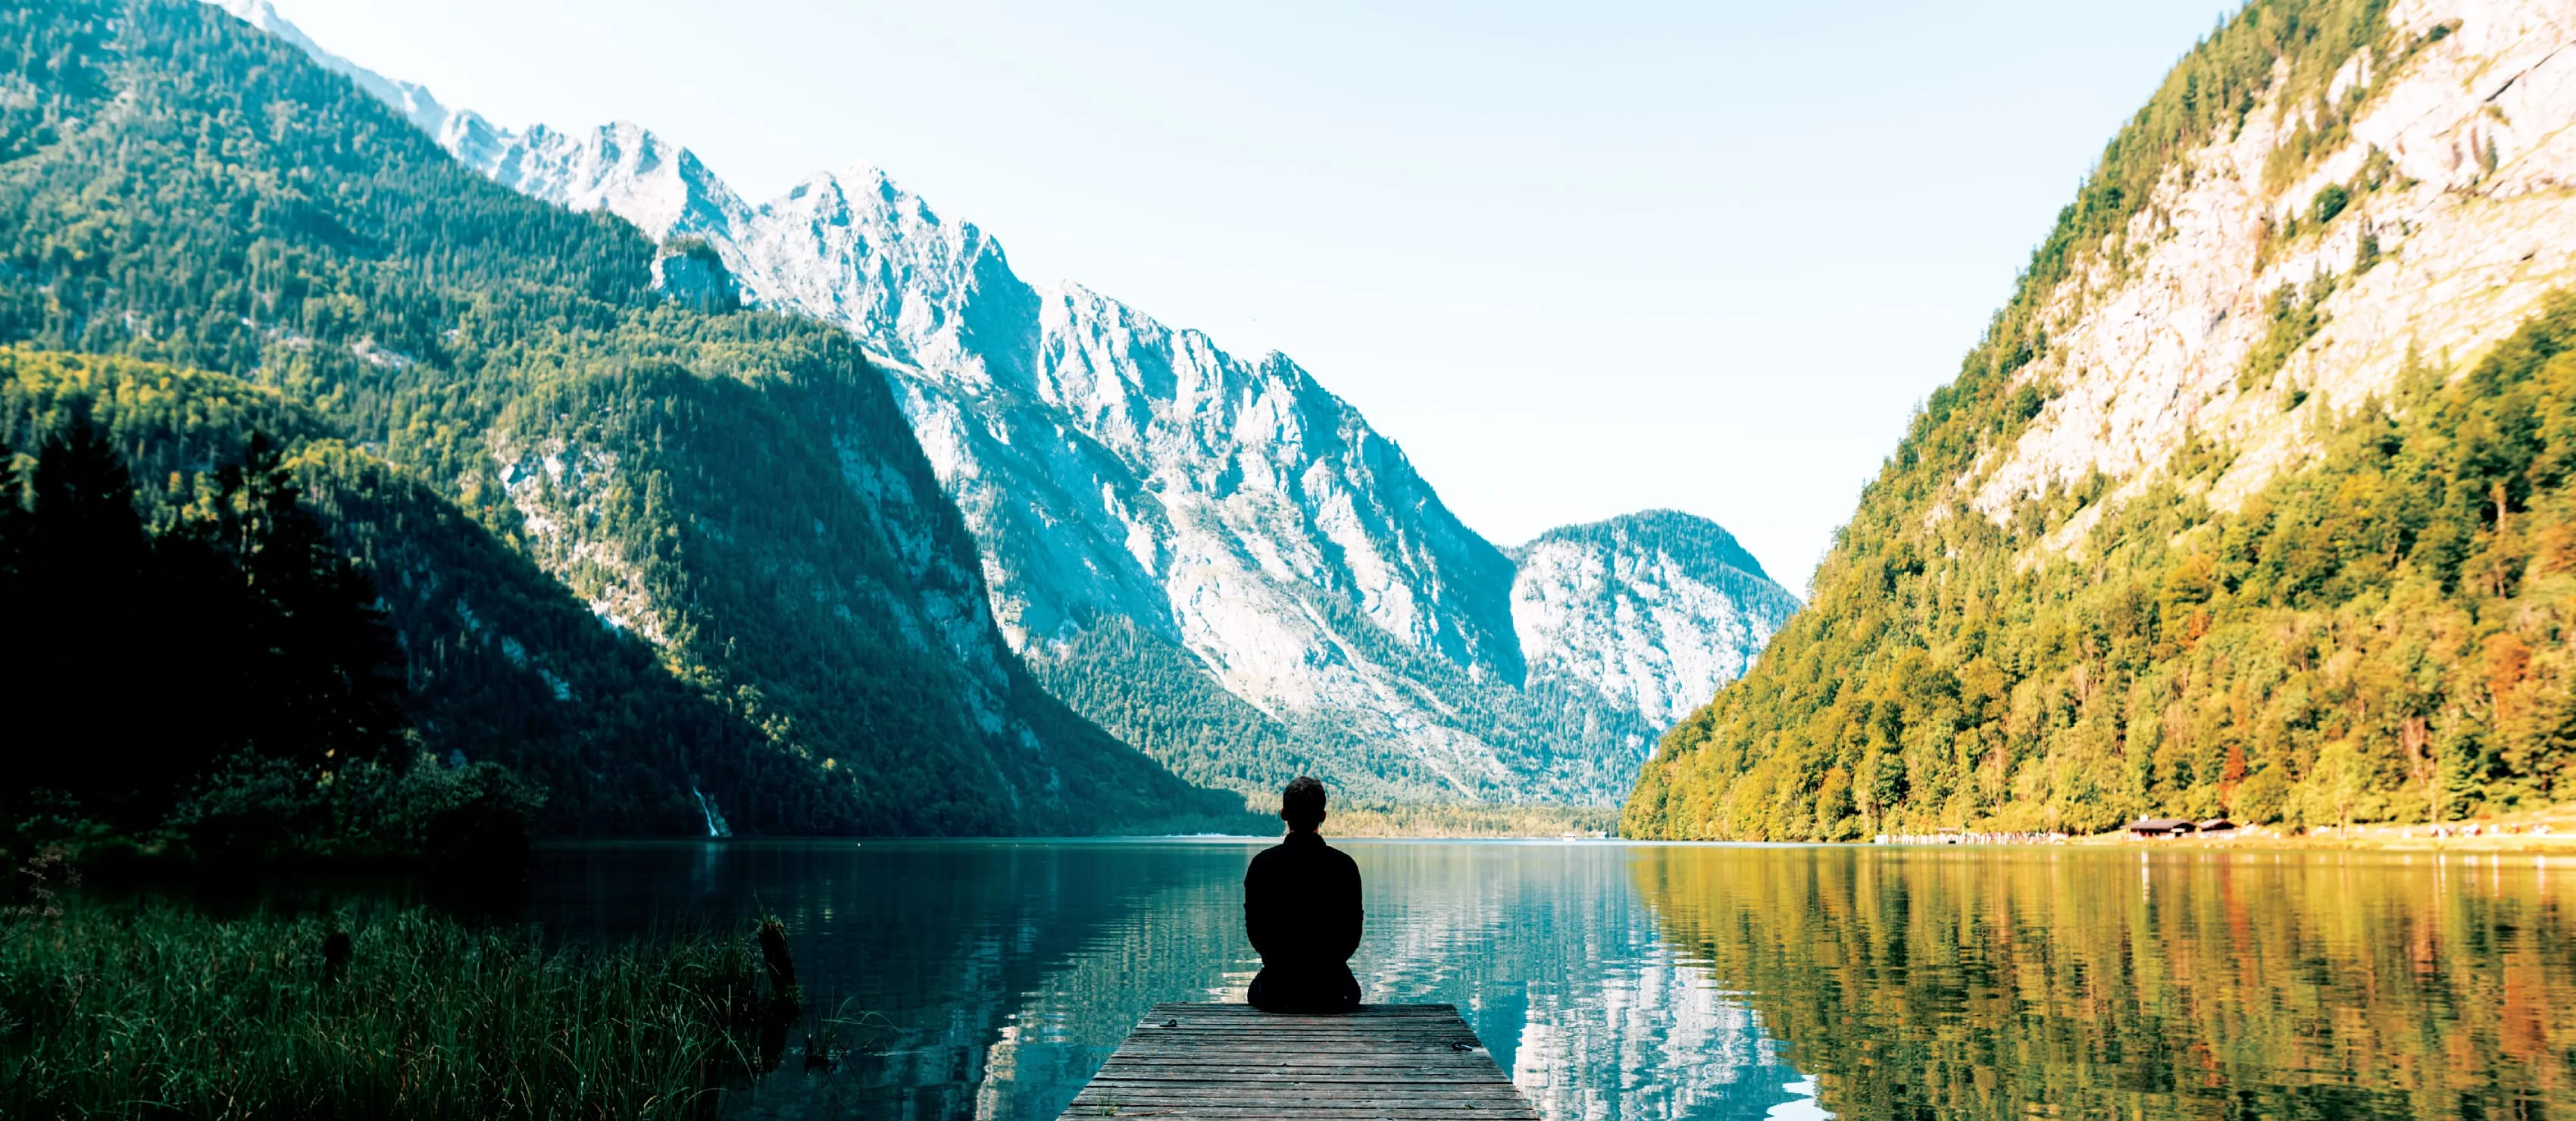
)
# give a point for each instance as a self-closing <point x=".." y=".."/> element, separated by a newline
<point x="1306" y="849"/>
<point x="1323" y="853"/>
<point x="1272" y="855"/>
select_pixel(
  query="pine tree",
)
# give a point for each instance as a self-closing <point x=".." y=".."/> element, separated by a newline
<point x="328" y="665"/>
<point x="83" y="560"/>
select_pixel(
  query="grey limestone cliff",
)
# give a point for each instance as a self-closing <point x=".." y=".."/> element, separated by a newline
<point x="1270" y="567"/>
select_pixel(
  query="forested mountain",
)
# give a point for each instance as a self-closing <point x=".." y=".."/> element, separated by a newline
<point x="2253" y="500"/>
<point x="633" y="542"/>
<point x="259" y="640"/>
<point x="1214" y="557"/>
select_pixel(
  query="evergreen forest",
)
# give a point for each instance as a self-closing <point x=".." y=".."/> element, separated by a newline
<point x="2379" y="636"/>
<point x="676" y="566"/>
<point x="274" y="722"/>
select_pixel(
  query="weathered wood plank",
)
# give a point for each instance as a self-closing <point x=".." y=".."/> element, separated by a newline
<point x="1220" y="1013"/>
<point x="1291" y="1030"/>
<point x="1375" y="1101"/>
<point x="1325" y="1094"/>
<point x="1445" y="1084"/>
<point x="1290" y="1113"/>
<point x="1176" y="1065"/>
<point x="1300" y="1111"/>
<point x="1224" y="1062"/>
<point x="1213" y="1069"/>
<point x="1391" y="1107"/>
<point x="1219" y="1041"/>
<point x="1426" y="1083"/>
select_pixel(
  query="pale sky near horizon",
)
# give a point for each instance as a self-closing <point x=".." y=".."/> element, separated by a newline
<point x="1578" y="260"/>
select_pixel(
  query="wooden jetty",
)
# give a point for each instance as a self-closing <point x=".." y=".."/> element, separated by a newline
<point x="1231" y="1062"/>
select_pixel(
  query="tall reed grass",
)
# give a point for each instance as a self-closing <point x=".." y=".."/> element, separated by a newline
<point x="159" y="1011"/>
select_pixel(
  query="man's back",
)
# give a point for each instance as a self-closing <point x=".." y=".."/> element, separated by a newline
<point x="1301" y="903"/>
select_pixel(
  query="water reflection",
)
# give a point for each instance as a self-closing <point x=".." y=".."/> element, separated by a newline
<point x="2005" y="982"/>
<point x="1548" y="952"/>
<point x="1620" y="982"/>
<point x="999" y="975"/>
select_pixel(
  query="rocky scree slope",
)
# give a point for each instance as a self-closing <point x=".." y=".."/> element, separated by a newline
<point x="736" y="493"/>
<point x="2187" y="534"/>
<point x="1215" y="557"/>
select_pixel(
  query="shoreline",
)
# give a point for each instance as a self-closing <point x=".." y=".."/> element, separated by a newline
<point x="2538" y="832"/>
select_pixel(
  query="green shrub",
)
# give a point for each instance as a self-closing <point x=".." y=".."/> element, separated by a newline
<point x="2329" y="202"/>
<point x="258" y="810"/>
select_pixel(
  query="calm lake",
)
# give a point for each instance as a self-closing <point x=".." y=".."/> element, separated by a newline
<point x="989" y="979"/>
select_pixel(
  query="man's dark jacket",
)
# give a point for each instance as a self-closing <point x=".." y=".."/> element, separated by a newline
<point x="1301" y="904"/>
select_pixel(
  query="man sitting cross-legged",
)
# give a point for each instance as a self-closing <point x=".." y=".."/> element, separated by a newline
<point x="1301" y="904"/>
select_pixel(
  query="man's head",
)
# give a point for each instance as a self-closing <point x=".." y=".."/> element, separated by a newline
<point x="1301" y="805"/>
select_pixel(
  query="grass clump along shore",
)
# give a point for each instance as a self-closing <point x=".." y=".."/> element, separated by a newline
<point x="160" y="1011"/>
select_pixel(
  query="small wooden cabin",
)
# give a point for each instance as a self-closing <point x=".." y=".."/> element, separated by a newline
<point x="2159" y="827"/>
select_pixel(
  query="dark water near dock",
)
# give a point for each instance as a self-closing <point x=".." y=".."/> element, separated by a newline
<point x="989" y="979"/>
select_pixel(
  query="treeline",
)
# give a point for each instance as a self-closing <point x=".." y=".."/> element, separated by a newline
<point x="222" y="679"/>
<point x="2376" y="637"/>
<point x="1149" y="692"/>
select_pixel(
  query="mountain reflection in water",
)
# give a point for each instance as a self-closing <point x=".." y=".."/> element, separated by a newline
<point x="1000" y="974"/>
<point x="1645" y="981"/>
<point x="1992" y="983"/>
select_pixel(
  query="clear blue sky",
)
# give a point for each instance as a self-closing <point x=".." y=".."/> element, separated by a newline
<point x="1578" y="259"/>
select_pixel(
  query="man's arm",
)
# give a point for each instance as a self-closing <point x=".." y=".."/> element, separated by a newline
<point x="1256" y="911"/>
<point x="1346" y="913"/>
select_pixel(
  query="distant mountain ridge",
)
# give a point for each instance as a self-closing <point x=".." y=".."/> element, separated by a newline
<point x="1225" y="534"/>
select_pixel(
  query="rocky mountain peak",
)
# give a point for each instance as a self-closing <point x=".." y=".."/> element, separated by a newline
<point x="854" y="248"/>
<point x="1246" y="534"/>
<point x="1656" y="609"/>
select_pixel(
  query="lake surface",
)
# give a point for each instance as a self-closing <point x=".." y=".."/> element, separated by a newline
<point x="990" y="979"/>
